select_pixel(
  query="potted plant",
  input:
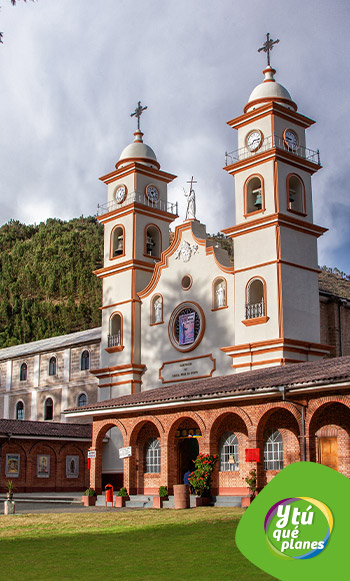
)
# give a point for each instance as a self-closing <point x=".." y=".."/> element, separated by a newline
<point x="10" y="489"/>
<point x="121" y="498"/>
<point x="89" y="497"/>
<point x="200" y="478"/>
<point x="162" y="495"/>
<point x="251" y="481"/>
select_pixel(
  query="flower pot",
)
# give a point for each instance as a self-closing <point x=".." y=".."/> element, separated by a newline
<point x="120" y="501"/>
<point x="201" y="501"/>
<point x="158" y="501"/>
<point x="89" y="500"/>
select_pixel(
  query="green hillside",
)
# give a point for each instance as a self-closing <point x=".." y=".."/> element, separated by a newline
<point x="46" y="283"/>
<point x="47" y="287"/>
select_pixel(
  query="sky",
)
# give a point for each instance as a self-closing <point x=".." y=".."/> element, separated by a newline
<point x="72" y="72"/>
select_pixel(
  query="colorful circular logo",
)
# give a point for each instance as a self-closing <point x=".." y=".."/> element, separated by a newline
<point x="298" y="528"/>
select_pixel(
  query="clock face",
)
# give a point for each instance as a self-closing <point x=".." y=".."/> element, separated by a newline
<point x="290" y="139"/>
<point x="254" y="140"/>
<point x="152" y="193"/>
<point x="120" y="194"/>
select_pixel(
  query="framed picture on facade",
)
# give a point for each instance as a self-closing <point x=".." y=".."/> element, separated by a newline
<point x="43" y="466"/>
<point x="12" y="465"/>
<point x="72" y="466"/>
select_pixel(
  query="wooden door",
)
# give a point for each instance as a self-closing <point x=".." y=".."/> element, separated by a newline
<point x="328" y="452"/>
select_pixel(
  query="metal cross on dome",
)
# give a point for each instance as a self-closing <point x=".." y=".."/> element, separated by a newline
<point x="138" y="112"/>
<point x="268" y="46"/>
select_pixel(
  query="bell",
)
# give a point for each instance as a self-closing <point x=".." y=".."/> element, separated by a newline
<point x="291" y="196"/>
<point x="150" y="244"/>
<point x="258" y="201"/>
<point x="119" y="249"/>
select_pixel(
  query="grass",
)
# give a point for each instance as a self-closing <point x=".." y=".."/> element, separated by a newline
<point x="127" y="545"/>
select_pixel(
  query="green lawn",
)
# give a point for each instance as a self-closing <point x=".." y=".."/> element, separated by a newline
<point x="186" y="545"/>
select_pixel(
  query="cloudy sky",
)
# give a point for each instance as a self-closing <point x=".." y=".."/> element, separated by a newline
<point x="72" y="71"/>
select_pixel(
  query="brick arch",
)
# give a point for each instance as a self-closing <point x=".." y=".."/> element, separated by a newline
<point x="180" y="418"/>
<point x="315" y="405"/>
<point x="45" y="444"/>
<point x="331" y="420"/>
<point x="139" y="423"/>
<point x="138" y="481"/>
<point x="268" y="409"/>
<point x="288" y="424"/>
<point x="238" y="422"/>
<point x="72" y="449"/>
<point x="101" y="428"/>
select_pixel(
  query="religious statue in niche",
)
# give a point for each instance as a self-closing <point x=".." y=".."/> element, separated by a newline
<point x="220" y="295"/>
<point x="157" y="305"/>
<point x="191" y="202"/>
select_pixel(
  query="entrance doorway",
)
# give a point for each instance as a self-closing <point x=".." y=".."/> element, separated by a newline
<point x="328" y="452"/>
<point x="188" y="451"/>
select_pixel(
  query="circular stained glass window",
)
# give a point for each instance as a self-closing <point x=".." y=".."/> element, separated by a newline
<point x="186" y="326"/>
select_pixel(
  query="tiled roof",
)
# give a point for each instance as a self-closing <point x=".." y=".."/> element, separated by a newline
<point x="51" y="344"/>
<point x="334" y="284"/>
<point x="45" y="429"/>
<point x="250" y="382"/>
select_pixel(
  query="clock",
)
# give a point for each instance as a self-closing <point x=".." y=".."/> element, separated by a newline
<point x="152" y="193"/>
<point x="254" y="140"/>
<point x="120" y="194"/>
<point x="290" y="139"/>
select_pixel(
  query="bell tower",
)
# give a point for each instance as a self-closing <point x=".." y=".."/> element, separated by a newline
<point x="277" y="317"/>
<point x="136" y="222"/>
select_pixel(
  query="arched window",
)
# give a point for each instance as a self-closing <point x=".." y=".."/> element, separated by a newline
<point x="117" y="241"/>
<point x="152" y="456"/>
<point x="156" y="310"/>
<point x="23" y="372"/>
<point x="52" y="366"/>
<point x="295" y="194"/>
<point x="229" y="452"/>
<point x="255" y="299"/>
<point x="115" y="331"/>
<point x="153" y="245"/>
<point x="254" y="195"/>
<point x="273" y="452"/>
<point x="48" y="409"/>
<point x="20" y="410"/>
<point x="219" y="293"/>
<point x="82" y="400"/>
<point x="85" y="361"/>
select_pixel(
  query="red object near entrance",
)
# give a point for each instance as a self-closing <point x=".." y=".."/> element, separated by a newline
<point x="108" y="494"/>
<point x="252" y="455"/>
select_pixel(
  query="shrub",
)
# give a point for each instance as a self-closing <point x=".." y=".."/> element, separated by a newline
<point x="123" y="492"/>
<point x="200" y="479"/>
<point x="90" y="492"/>
<point x="163" y="491"/>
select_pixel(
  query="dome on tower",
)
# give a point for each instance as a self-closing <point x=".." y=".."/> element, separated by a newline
<point x="138" y="151"/>
<point x="269" y="90"/>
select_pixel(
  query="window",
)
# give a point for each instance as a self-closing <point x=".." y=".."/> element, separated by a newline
<point x="152" y="459"/>
<point x="52" y="366"/>
<point x="115" y="330"/>
<point x="85" y="361"/>
<point x="186" y="326"/>
<point x="153" y="241"/>
<point x="229" y="452"/>
<point x="254" y="195"/>
<point x="255" y="300"/>
<point x="20" y="410"/>
<point x="156" y="310"/>
<point x="48" y="409"/>
<point x="23" y="372"/>
<point x="295" y="194"/>
<point x="82" y="400"/>
<point x="117" y="241"/>
<point x="273" y="452"/>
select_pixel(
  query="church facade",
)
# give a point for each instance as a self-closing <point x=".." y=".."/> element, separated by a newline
<point x="198" y="354"/>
